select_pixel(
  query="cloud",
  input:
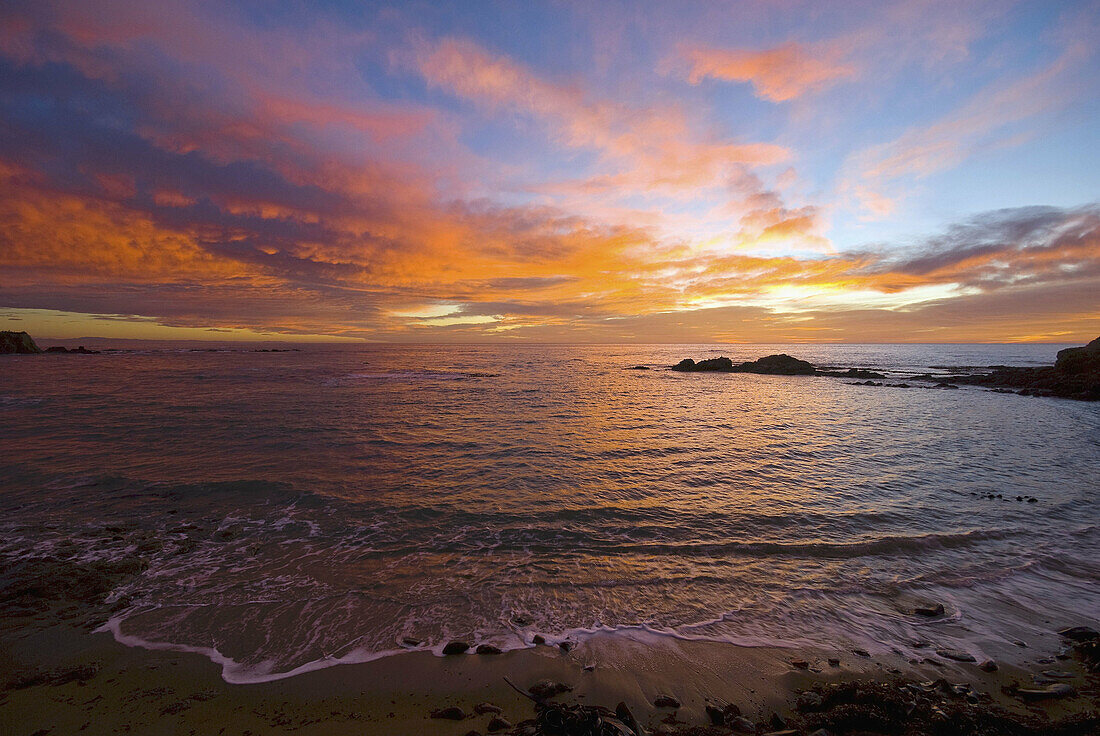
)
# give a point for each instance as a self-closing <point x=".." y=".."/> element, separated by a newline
<point x="778" y="74"/>
<point x="1002" y="114"/>
<point x="179" y="182"/>
<point x="648" y="149"/>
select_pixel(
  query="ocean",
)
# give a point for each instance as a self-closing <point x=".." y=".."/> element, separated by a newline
<point x="335" y="504"/>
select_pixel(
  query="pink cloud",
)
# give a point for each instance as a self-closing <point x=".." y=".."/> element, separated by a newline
<point x="777" y="74"/>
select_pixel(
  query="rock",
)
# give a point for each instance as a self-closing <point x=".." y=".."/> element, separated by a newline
<point x="538" y="639"/>
<point x="1057" y="690"/>
<point x="665" y="701"/>
<point x="18" y="343"/>
<point x="639" y="368"/>
<point x="956" y="654"/>
<point x="565" y="646"/>
<point x="544" y="689"/>
<point x="800" y="664"/>
<point x="450" y="713"/>
<point x="861" y="652"/>
<point x="741" y="725"/>
<point x="776" y="723"/>
<point x="1057" y="674"/>
<point x="496" y="723"/>
<point x="854" y="373"/>
<point x="623" y="713"/>
<point x="716" y="716"/>
<point x="487" y="649"/>
<point x="988" y="666"/>
<point x="408" y="641"/>
<point x="809" y="701"/>
<point x="1075" y="375"/>
<point x="455" y="647"/>
<point x="834" y="662"/>
<point x="483" y="708"/>
<point x="1079" y="633"/>
<point x="929" y="610"/>
<point x="1079" y="360"/>
<point x="710" y="364"/>
<point x="780" y="365"/>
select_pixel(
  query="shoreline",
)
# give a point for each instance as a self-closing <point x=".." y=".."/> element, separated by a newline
<point x="59" y="678"/>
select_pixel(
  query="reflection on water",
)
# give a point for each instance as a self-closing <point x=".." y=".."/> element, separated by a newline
<point x="302" y="507"/>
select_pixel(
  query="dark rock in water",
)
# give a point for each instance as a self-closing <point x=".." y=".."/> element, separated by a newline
<point x="496" y="723"/>
<point x="956" y="654"/>
<point x="487" y="649"/>
<point x="861" y="652"/>
<point x="408" y="641"/>
<point x="538" y="639"/>
<point x="710" y="364"/>
<point x="19" y="343"/>
<point x="1079" y="360"/>
<point x="1075" y="375"/>
<point x="834" y="662"/>
<point x="451" y="713"/>
<point x="929" y="610"/>
<point x="988" y="666"/>
<point x="483" y="708"/>
<point x="781" y="365"/>
<point x="639" y="368"/>
<point x="776" y="723"/>
<point x="456" y="647"/>
<point x="565" y="646"/>
<point x="853" y="373"/>
<point x="665" y="701"/>
<point x="544" y="689"/>
<point x="716" y="716"/>
<point x="800" y="664"/>
<point x="1079" y="633"/>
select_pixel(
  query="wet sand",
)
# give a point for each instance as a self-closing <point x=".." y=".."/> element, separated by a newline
<point x="60" y="678"/>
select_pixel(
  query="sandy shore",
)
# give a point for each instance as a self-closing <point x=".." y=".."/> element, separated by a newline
<point x="62" y="679"/>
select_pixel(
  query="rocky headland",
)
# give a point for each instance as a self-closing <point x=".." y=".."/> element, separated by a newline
<point x="1074" y="375"/>
<point x="18" y="343"/>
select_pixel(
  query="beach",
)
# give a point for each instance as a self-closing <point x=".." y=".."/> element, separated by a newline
<point x="92" y="685"/>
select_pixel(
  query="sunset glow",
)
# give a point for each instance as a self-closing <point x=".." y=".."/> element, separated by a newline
<point x="551" y="172"/>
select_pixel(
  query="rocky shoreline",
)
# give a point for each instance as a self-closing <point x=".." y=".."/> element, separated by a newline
<point x="1075" y="374"/>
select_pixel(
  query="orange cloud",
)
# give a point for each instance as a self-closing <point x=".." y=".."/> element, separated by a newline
<point x="778" y="74"/>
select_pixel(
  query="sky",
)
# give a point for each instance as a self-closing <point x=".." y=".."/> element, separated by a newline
<point x="752" y="171"/>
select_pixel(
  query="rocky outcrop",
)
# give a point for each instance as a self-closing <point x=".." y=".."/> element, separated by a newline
<point x="1075" y="375"/>
<point x="77" y="351"/>
<point x="17" y="343"/>
<point x="776" y="365"/>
